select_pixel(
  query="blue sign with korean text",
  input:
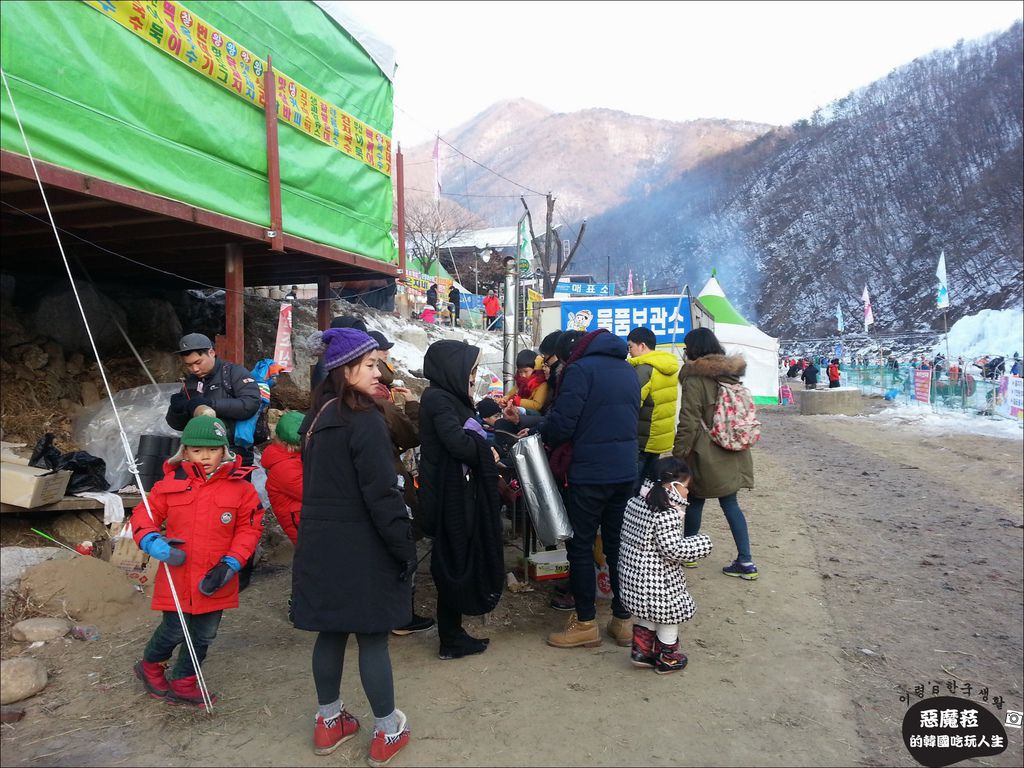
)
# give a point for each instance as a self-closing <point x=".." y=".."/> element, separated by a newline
<point x="667" y="316"/>
<point x="584" y="289"/>
<point x="471" y="301"/>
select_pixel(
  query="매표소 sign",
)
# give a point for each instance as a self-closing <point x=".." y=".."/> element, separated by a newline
<point x="564" y="288"/>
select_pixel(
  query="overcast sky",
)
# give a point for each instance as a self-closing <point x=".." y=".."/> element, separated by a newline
<point x="768" y="62"/>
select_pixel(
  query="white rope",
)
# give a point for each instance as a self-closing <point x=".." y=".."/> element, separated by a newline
<point x="207" y="702"/>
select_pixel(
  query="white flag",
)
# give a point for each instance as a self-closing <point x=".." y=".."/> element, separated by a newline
<point x="942" y="300"/>
<point x="437" y="169"/>
<point x="869" y="318"/>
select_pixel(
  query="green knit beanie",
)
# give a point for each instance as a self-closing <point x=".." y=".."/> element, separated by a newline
<point x="288" y="427"/>
<point x="206" y="431"/>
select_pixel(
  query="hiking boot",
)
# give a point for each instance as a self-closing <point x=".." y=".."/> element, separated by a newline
<point x="669" y="658"/>
<point x="153" y="675"/>
<point x="463" y="645"/>
<point x="328" y="735"/>
<point x="621" y="631"/>
<point x="386" y="745"/>
<point x="689" y="564"/>
<point x="186" y="690"/>
<point x="576" y="633"/>
<point x="418" y="624"/>
<point x="642" y="654"/>
<point x="746" y="571"/>
<point x="562" y="601"/>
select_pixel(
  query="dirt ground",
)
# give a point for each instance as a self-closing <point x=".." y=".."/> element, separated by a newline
<point x="888" y="559"/>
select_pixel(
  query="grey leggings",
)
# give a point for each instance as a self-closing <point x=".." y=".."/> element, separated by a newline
<point x="374" y="669"/>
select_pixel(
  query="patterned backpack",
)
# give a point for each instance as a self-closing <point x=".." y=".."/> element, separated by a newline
<point x="734" y="424"/>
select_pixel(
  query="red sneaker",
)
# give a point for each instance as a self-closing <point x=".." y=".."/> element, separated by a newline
<point x="386" y="745"/>
<point x="328" y="735"/>
<point x="153" y="675"/>
<point x="186" y="690"/>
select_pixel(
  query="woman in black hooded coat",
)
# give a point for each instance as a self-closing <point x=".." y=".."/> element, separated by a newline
<point x="458" y="497"/>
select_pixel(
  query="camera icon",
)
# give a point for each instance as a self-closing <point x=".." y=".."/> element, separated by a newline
<point x="1014" y="718"/>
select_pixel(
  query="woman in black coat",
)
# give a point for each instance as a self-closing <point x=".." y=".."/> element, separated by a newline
<point x="461" y="514"/>
<point x="355" y="550"/>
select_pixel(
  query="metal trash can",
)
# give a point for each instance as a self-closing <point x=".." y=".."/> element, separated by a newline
<point x="540" y="491"/>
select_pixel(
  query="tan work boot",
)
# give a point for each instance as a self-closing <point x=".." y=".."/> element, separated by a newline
<point x="577" y="633"/>
<point x="621" y="631"/>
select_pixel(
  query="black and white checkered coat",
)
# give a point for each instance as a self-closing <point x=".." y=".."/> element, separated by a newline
<point x="651" y="553"/>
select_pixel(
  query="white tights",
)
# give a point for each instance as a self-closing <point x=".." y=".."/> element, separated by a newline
<point x="667" y="633"/>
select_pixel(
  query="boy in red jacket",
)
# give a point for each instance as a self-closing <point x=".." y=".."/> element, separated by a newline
<point x="283" y="461"/>
<point x="213" y="523"/>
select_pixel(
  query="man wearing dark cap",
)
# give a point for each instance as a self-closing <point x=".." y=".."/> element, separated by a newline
<point x="229" y="389"/>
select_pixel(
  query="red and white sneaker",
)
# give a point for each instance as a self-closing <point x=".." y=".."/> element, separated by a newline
<point x="328" y="735"/>
<point x="386" y="745"/>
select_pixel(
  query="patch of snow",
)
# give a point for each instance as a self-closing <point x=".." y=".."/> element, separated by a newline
<point x="408" y="357"/>
<point x="921" y="418"/>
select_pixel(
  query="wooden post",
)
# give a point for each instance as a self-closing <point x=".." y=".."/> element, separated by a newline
<point x="234" y="304"/>
<point x="400" y="185"/>
<point x="275" y="234"/>
<point x="323" y="302"/>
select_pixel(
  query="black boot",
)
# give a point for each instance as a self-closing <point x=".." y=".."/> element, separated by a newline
<point x="417" y="623"/>
<point x="463" y="644"/>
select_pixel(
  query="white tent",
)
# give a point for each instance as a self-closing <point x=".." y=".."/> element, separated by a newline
<point x="738" y="336"/>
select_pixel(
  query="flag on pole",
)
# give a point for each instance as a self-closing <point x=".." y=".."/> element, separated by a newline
<point x="629" y="284"/>
<point x="942" y="300"/>
<point x="524" y="247"/>
<point x="839" y="318"/>
<point x="869" y="318"/>
<point x="437" y="169"/>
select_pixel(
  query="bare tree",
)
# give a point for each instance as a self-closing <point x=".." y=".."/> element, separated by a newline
<point x="561" y="260"/>
<point x="430" y="226"/>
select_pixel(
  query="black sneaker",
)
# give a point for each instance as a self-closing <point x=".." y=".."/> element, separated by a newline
<point x="418" y="624"/>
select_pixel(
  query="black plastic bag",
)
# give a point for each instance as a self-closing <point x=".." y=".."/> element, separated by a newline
<point x="45" y="455"/>
<point x="88" y="472"/>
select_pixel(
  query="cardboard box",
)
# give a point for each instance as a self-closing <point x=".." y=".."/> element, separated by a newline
<point x="544" y="566"/>
<point x="30" y="487"/>
<point x="124" y="553"/>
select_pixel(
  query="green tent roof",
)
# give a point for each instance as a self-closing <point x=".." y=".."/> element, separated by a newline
<point x="713" y="298"/>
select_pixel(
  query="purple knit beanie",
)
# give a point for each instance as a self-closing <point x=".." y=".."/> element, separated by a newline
<point x="340" y="345"/>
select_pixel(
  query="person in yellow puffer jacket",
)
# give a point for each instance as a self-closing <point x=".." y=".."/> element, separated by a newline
<point x="659" y="394"/>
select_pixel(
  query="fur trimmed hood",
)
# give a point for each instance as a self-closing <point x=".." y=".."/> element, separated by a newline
<point x="715" y="367"/>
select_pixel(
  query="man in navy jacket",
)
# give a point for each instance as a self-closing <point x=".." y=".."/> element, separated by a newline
<point x="596" y="412"/>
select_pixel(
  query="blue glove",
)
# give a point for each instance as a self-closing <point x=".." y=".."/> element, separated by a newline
<point x="232" y="563"/>
<point x="155" y="545"/>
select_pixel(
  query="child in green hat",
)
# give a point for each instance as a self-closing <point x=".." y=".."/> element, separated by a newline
<point x="213" y="520"/>
<point x="283" y="461"/>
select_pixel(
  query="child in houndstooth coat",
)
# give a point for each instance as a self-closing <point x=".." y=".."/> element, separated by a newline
<point x="651" y="555"/>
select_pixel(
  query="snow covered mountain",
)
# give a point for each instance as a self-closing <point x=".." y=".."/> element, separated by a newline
<point x="866" y="192"/>
<point x="593" y="159"/>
